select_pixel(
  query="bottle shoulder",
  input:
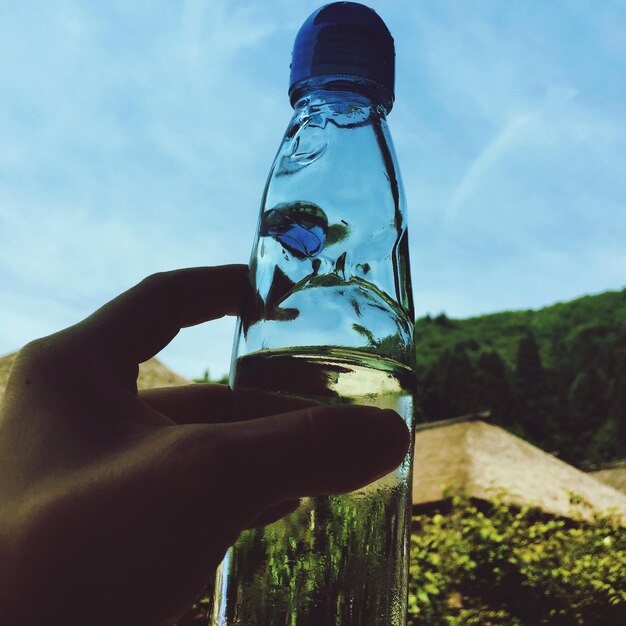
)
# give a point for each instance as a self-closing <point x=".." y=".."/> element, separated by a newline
<point x="342" y="143"/>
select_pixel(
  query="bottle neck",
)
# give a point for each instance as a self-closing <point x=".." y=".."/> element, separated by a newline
<point x="338" y="93"/>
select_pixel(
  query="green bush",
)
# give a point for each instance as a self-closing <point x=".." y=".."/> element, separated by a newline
<point x="497" y="565"/>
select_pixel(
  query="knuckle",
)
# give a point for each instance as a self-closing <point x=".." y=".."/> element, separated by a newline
<point x="156" y="280"/>
<point x="37" y="352"/>
<point x="33" y="349"/>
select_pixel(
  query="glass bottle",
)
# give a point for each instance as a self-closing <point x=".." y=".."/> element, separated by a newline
<point x="332" y="321"/>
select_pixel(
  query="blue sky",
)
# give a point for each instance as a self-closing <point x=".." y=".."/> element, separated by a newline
<point x="135" y="136"/>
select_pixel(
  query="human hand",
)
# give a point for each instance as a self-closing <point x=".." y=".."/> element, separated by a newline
<point x="115" y="506"/>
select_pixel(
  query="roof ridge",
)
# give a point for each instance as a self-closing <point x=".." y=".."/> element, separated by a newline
<point x="483" y="416"/>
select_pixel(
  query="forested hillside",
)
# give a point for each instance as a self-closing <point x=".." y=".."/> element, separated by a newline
<point x="556" y="376"/>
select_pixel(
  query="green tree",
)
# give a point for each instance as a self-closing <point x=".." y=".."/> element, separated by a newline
<point x="493" y="386"/>
<point x="452" y="382"/>
<point x="544" y="353"/>
<point x="528" y="366"/>
<point x="609" y="442"/>
<point x="588" y="402"/>
<point x="532" y="403"/>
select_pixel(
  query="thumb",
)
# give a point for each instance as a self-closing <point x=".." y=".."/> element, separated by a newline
<point x="319" y="450"/>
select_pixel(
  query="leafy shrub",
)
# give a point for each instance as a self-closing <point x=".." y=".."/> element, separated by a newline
<point x="502" y="566"/>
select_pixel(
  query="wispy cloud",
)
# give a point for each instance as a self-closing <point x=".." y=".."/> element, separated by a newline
<point x="487" y="158"/>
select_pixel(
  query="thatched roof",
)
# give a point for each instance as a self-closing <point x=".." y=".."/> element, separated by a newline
<point x="152" y="374"/>
<point x="613" y="474"/>
<point x="482" y="460"/>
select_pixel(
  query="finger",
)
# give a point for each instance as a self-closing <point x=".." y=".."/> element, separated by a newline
<point x="210" y="403"/>
<point x="204" y="403"/>
<point x="316" y="451"/>
<point x="252" y="403"/>
<point x="143" y="320"/>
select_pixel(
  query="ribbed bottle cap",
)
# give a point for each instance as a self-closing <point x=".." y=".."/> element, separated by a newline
<point x="344" y="39"/>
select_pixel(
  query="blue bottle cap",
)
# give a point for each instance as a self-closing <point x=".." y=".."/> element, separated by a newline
<point x="344" y="40"/>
